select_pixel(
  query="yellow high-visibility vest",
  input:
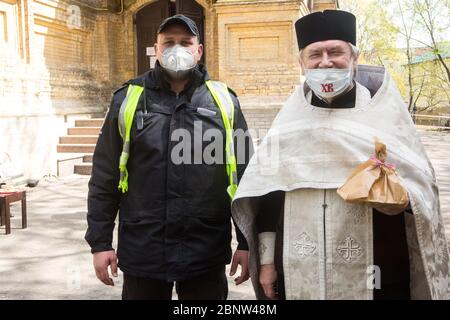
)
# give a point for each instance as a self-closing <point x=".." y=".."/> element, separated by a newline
<point x="221" y="96"/>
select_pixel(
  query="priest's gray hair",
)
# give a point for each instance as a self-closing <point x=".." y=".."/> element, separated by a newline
<point x="353" y="48"/>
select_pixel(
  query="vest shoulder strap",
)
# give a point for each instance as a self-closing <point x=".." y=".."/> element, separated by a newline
<point x="126" y="115"/>
<point x="128" y="109"/>
<point x="222" y="97"/>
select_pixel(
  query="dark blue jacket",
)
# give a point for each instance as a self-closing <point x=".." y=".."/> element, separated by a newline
<point x="175" y="220"/>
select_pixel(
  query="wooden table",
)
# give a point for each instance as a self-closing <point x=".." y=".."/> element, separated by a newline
<point x="6" y="198"/>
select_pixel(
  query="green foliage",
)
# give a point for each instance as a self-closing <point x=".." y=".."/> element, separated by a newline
<point x="420" y="73"/>
<point x="376" y="33"/>
<point x="376" y="37"/>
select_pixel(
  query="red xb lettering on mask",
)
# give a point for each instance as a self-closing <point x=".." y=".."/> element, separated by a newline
<point x="327" y="87"/>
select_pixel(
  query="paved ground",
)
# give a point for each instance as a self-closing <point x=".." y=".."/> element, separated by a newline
<point x="437" y="146"/>
<point x="50" y="259"/>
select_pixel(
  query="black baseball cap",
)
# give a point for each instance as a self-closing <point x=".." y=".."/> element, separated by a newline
<point x="180" y="19"/>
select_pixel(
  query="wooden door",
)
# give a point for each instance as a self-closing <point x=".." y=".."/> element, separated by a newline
<point x="148" y="20"/>
<point x="191" y="9"/>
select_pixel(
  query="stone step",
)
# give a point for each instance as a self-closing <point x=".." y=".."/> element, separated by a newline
<point x="89" y="123"/>
<point x="92" y="139"/>
<point x="83" y="131"/>
<point x="76" y="148"/>
<point x="87" y="158"/>
<point x="84" y="169"/>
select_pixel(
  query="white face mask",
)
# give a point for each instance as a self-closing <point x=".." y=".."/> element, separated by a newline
<point x="178" y="59"/>
<point x="330" y="82"/>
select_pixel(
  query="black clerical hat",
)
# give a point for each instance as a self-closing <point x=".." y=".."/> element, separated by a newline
<point x="326" y="25"/>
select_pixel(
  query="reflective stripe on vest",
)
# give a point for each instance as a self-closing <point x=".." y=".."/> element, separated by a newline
<point x="221" y="95"/>
<point x="126" y="115"/>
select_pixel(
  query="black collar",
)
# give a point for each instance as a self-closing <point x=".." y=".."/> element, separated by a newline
<point x="345" y="101"/>
<point x="157" y="80"/>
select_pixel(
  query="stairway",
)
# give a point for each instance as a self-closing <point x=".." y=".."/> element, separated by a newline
<point x="78" y="145"/>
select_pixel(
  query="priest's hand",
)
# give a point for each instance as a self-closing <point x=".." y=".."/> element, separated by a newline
<point x="240" y="257"/>
<point x="267" y="279"/>
<point x="102" y="260"/>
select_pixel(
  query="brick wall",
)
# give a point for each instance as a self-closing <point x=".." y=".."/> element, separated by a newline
<point x="54" y="65"/>
<point x="52" y="68"/>
<point x="320" y="5"/>
<point x="54" y="57"/>
<point x="259" y="112"/>
<point x="257" y="51"/>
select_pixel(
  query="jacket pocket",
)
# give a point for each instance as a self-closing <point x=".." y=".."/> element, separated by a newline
<point x="141" y="245"/>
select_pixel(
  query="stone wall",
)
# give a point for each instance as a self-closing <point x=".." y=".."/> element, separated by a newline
<point x="260" y="112"/>
<point x="53" y="68"/>
<point x="320" y="5"/>
<point x="62" y="59"/>
<point x="257" y="51"/>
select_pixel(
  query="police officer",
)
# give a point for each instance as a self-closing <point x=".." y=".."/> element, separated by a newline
<point x="174" y="214"/>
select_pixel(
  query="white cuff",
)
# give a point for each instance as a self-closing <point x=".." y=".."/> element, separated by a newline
<point x="266" y="247"/>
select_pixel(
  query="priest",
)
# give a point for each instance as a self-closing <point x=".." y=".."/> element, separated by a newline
<point x="305" y="241"/>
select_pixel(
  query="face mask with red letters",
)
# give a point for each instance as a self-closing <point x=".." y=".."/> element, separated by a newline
<point x="330" y="82"/>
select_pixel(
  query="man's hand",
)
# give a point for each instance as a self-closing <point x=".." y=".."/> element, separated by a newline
<point x="101" y="262"/>
<point x="267" y="278"/>
<point x="240" y="257"/>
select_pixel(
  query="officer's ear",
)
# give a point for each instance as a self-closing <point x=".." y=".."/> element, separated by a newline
<point x="200" y="51"/>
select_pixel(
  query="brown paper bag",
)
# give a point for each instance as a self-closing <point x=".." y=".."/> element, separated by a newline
<point x="376" y="183"/>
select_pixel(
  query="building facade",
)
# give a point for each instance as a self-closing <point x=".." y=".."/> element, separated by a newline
<point x="62" y="59"/>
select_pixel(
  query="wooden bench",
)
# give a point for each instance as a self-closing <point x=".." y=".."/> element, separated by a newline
<point x="6" y="198"/>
